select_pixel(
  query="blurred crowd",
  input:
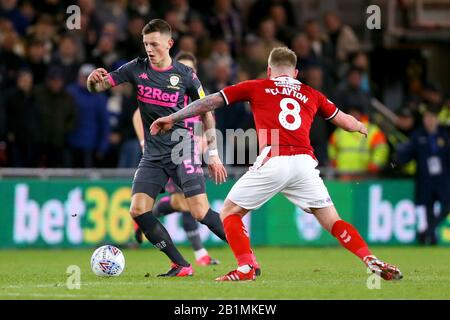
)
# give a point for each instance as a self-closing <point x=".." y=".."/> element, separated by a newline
<point x="49" y="119"/>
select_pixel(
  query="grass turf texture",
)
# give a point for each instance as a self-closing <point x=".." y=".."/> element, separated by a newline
<point x="287" y="273"/>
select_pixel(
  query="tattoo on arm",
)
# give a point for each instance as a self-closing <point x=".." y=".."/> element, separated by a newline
<point x="201" y="106"/>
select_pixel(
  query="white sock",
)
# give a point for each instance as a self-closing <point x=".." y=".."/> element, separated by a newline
<point x="200" y="253"/>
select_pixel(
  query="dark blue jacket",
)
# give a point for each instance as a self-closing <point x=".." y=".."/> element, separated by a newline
<point x="422" y="147"/>
<point x="91" y="132"/>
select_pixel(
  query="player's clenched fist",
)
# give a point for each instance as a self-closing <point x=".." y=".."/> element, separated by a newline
<point x="97" y="75"/>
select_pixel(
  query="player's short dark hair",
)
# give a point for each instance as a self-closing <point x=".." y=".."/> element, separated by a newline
<point x="184" y="55"/>
<point x="282" y="57"/>
<point x="157" y="25"/>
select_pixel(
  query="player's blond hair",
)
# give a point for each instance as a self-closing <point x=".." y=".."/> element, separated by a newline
<point x="282" y="57"/>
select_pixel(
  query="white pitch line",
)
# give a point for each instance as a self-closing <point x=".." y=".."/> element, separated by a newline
<point x="60" y="285"/>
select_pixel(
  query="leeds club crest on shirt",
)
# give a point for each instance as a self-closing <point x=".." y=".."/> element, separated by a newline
<point x="174" y="79"/>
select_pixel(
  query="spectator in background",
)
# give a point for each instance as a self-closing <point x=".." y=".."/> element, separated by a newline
<point x="56" y="117"/>
<point x="10" y="59"/>
<point x="44" y="30"/>
<point x="305" y="55"/>
<point x="89" y="138"/>
<point x="90" y="27"/>
<point x="35" y="60"/>
<point x="202" y="37"/>
<point x="113" y="12"/>
<point x="105" y="54"/>
<point x="267" y="31"/>
<point x="262" y="10"/>
<point x="405" y="121"/>
<point x="432" y="95"/>
<point x="251" y="64"/>
<point x="226" y="22"/>
<point x="28" y="11"/>
<point x="141" y="8"/>
<point x="177" y="27"/>
<point x="285" y="33"/>
<point x="183" y="13"/>
<point x="444" y="115"/>
<point x="220" y="51"/>
<point x="121" y="152"/>
<point x="322" y="49"/>
<point x="360" y="60"/>
<point x="20" y="108"/>
<point x="221" y="74"/>
<point x="187" y="44"/>
<point x="132" y="44"/>
<point x="350" y="93"/>
<point x="67" y="58"/>
<point x="239" y="118"/>
<point x="342" y="39"/>
<point x="52" y="7"/>
<point x="356" y="157"/>
<point x="130" y="149"/>
<point x="319" y="129"/>
<point x="422" y="95"/>
<point x="320" y="43"/>
<point x="10" y="11"/>
<point x="429" y="145"/>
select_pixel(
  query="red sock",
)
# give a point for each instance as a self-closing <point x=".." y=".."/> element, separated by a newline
<point x="238" y="239"/>
<point x="350" y="239"/>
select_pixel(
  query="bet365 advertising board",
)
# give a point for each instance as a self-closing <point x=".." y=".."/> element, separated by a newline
<point x="76" y="213"/>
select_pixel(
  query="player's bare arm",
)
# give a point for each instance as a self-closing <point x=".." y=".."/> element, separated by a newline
<point x="215" y="167"/>
<point x="137" y="124"/>
<point x="98" y="81"/>
<point x="209" y="129"/>
<point x="349" y="123"/>
<point x="201" y="106"/>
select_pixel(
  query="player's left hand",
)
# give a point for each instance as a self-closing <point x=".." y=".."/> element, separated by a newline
<point x="161" y="125"/>
<point x="216" y="170"/>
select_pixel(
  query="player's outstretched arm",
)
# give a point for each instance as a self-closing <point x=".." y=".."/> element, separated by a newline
<point x="349" y="123"/>
<point x="201" y="106"/>
<point x="98" y="81"/>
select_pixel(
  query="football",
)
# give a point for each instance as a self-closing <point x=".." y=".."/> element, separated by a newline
<point x="107" y="261"/>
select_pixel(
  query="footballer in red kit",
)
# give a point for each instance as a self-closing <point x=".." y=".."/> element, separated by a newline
<point x="285" y="104"/>
<point x="283" y="109"/>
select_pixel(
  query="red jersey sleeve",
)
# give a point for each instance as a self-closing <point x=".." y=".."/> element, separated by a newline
<point x="327" y="109"/>
<point x="241" y="91"/>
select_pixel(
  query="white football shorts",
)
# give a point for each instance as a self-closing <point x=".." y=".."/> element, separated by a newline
<point x="294" y="176"/>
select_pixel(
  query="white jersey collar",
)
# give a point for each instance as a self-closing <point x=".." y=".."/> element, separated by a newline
<point x="285" y="78"/>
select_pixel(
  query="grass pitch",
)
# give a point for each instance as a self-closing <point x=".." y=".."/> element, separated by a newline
<point x="287" y="273"/>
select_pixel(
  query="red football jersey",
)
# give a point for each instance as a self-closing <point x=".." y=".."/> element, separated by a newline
<point x="283" y="109"/>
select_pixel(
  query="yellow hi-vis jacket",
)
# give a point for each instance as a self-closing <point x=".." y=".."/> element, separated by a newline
<point x="351" y="152"/>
